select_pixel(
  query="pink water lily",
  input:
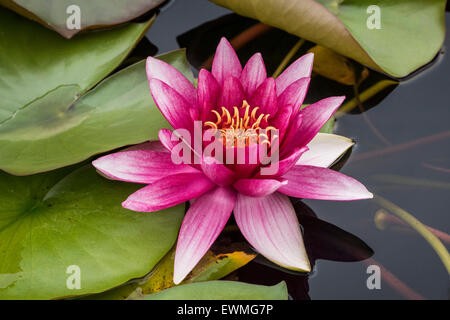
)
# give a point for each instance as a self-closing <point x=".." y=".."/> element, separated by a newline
<point x="232" y="97"/>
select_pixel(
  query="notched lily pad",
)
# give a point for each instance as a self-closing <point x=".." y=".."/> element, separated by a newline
<point x="50" y="116"/>
<point x="51" y="221"/>
<point x="410" y="34"/>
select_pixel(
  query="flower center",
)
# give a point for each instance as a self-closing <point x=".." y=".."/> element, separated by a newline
<point x="242" y="128"/>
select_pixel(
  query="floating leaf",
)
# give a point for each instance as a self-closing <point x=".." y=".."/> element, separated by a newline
<point x="411" y="32"/>
<point x="222" y="290"/>
<point x="64" y="218"/>
<point x="48" y="118"/>
<point x="56" y="14"/>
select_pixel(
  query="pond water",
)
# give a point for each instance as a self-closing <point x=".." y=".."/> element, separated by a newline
<point x="404" y="166"/>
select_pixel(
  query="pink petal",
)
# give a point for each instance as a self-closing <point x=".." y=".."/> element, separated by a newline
<point x="217" y="172"/>
<point x="208" y="91"/>
<point x="257" y="187"/>
<point x="158" y="69"/>
<point x="322" y="183"/>
<point x="301" y="68"/>
<point x="232" y="94"/>
<point x="294" y="95"/>
<point x="270" y="225"/>
<point x="165" y="137"/>
<point x="315" y="116"/>
<point x="140" y="166"/>
<point x="281" y="120"/>
<point x="287" y="163"/>
<point x="171" y="104"/>
<point x="226" y="62"/>
<point x="245" y="160"/>
<point x="168" y="191"/>
<point x="149" y="145"/>
<point x="325" y="149"/>
<point x="290" y="140"/>
<point x="254" y="74"/>
<point x="201" y="226"/>
<point x="265" y="97"/>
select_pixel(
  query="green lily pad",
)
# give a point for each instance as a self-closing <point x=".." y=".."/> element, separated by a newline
<point x="411" y="33"/>
<point x="55" y="14"/>
<point x="51" y="221"/>
<point x="222" y="290"/>
<point x="48" y="116"/>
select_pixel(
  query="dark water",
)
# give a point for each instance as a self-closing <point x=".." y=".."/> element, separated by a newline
<point x="415" y="109"/>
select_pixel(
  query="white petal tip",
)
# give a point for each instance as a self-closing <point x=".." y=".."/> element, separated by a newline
<point x="178" y="278"/>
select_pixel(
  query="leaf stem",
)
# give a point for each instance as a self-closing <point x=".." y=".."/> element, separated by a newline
<point x="287" y="58"/>
<point x="364" y="96"/>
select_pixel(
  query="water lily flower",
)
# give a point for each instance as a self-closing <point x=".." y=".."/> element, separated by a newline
<point x="227" y="98"/>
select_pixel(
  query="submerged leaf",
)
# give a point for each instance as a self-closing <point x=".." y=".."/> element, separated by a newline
<point x="333" y="66"/>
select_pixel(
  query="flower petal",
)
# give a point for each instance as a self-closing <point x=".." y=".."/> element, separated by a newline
<point x="294" y="95"/>
<point x="158" y="69"/>
<point x="325" y="149"/>
<point x="208" y="92"/>
<point x="287" y="163"/>
<point x="217" y="172"/>
<point x="140" y="166"/>
<point x="257" y="187"/>
<point x="168" y="191"/>
<point x="226" y="62"/>
<point x="165" y="136"/>
<point x="322" y="183"/>
<point x="254" y="74"/>
<point x="300" y="68"/>
<point x="201" y="226"/>
<point x="155" y="145"/>
<point x="315" y="116"/>
<point x="171" y="104"/>
<point x="270" y="225"/>
<point x="265" y="97"/>
<point x="232" y="94"/>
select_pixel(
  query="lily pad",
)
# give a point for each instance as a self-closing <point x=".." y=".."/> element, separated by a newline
<point x="410" y="34"/>
<point x="48" y="116"/>
<point x="222" y="290"/>
<point x="55" y="14"/>
<point x="52" y="221"/>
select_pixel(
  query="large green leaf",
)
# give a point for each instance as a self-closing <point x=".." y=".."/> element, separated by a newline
<point x="412" y="31"/>
<point x="48" y="118"/>
<point x="53" y="220"/>
<point x="222" y="290"/>
<point x="93" y="14"/>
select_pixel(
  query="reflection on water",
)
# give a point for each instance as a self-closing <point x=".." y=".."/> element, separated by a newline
<point x="409" y="165"/>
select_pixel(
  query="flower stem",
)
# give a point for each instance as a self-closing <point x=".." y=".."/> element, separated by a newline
<point x="400" y="147"/>
<point x="288" y="58"/>
<point x="242" y="39"/>
<point x="384" y="219"/>
<point x="364" y="96"/>
<point x="435" y="243"/>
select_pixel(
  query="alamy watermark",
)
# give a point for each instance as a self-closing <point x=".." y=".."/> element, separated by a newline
<point x="374" y="280"/>
<point x="73" y="21"/>
<point x="374" y="20"/>
<point x="73" y="281"/>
